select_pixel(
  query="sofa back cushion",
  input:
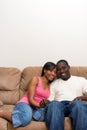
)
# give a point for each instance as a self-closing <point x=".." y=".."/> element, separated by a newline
<point x="9" y="85"/>
<point x="27" y="75"/>
<point x="79" y="71"/>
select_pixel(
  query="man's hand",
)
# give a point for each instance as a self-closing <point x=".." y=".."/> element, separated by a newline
<point x="84" y="97"/>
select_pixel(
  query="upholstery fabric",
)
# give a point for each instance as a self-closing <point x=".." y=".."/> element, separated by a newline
<point x="9" y="85"/>
<point x="1" y="103"/>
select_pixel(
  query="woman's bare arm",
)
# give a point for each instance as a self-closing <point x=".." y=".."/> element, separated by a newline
<point x="31" y="91"/>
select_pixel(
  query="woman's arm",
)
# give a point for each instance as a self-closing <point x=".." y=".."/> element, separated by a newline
<point x="44" y="102"/>
<point x="31" y="91"/>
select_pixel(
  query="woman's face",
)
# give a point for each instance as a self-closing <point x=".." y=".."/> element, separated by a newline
<point x="50" y="74"/>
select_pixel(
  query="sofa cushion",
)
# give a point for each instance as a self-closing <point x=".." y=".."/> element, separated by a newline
<point x="3" y="122"/>
<point x="9" y="85"/>
<point x="79" y="71"/>
<point x="37" y="125"/>
<point x="7" y="108"/>
<point x="9" y="97"/>
<point x="67" y="124"/>
<point x="9" y="78"/>
<point x="32" y="126"/>
<point x="1" y="103"/>
<point x="27" y="74"/>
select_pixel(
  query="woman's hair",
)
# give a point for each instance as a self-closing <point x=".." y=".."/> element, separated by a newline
<point x="48" y="66"/>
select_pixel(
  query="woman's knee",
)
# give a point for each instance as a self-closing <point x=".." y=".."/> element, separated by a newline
<point x="28" y="115"/>
<point x="22" y="114"/>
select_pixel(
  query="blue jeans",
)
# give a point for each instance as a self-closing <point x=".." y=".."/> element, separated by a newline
<point x="39" y="115"/>
<point x="57" y="111"/>
<point x="21" y="114"/>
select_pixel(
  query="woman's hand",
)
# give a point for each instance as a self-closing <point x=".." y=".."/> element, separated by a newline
<point x="44" y="102"/>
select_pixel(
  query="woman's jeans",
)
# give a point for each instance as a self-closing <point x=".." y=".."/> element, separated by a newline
<point x="57" y="111"/>
<point x="23" y="113"/>
<point x="39" y="115"/>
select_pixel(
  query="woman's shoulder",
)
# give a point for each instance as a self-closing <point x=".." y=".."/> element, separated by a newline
<point x="35" y="79"/>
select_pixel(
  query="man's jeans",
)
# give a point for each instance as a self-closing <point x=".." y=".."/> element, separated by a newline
<point x="57" y="111"/>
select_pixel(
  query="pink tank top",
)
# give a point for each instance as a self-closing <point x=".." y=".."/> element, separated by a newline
<point x="39" y="94"/>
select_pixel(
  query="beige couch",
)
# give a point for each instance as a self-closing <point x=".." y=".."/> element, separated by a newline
<point x="13" y="84"/>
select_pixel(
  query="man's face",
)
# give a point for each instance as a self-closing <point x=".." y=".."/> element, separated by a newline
<point x="63" y="70"/>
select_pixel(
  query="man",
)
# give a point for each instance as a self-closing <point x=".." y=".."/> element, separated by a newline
<point x="67" y="93"/>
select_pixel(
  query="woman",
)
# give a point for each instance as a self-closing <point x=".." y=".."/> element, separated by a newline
<point x="38" y="90"/>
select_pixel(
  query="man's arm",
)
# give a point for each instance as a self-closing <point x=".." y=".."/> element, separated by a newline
<point x="84" y="97"/>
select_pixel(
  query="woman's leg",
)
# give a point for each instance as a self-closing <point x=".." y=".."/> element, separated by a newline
<point x="6" y="115"/>
<point x="21" y="115"/>
<point x="39" y="115"/>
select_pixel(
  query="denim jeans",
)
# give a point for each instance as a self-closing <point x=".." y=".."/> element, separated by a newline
<point x="39" y="115"/>
<point x="57" y="111"/>
<point x="21" y="114"/>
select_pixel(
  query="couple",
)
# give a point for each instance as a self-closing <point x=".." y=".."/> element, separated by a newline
<point x="65" y="99"/>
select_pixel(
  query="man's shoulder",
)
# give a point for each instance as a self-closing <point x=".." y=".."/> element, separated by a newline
<point x="78" y="77"/>
<point x="55" y="82"/>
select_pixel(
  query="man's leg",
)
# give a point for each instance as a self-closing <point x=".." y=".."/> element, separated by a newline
<point x="78" y="115"/>
<point x="54" y="117"/>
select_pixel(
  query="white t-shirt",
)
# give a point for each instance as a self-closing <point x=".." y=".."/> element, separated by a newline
<point x="61" y="90"/>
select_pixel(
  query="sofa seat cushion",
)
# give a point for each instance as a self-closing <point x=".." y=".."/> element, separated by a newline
<point x="7" y="108"/>
<point x="67" y="124"/>
<point x="3" y="124"/>
<point x="35" y="125"/>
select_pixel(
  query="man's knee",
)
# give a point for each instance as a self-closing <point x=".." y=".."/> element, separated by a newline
<point x="77" y="106"/>
<point x="54" y="105"/>
<point x="77" y="103"/>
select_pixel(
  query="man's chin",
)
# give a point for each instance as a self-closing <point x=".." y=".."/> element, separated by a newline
<point x="64" y="78"/>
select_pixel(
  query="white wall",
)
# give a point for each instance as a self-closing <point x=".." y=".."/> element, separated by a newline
<point x="33" y="32"/>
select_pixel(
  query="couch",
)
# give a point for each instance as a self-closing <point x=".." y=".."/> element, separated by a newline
<point x="13" y="85"/>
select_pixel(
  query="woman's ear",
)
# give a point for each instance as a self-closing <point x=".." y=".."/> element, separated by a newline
<point x="44" y="71"/>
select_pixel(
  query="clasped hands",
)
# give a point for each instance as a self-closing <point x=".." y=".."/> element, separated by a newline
<point x="44" y="102"/>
